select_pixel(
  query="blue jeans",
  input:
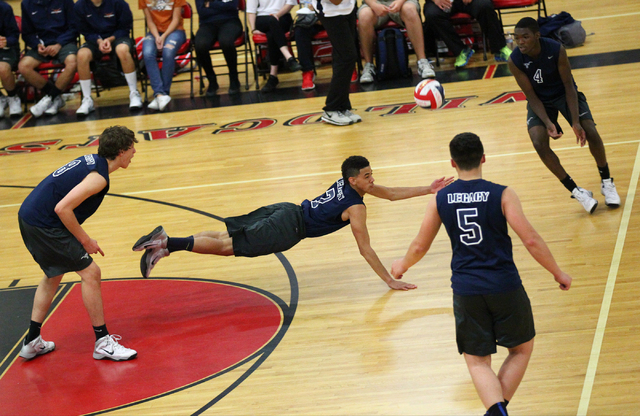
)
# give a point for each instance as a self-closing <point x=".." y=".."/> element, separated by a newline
<point x="161" y="79"/>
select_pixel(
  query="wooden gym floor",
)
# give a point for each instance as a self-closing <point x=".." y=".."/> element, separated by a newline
<point x="318" y="332"/>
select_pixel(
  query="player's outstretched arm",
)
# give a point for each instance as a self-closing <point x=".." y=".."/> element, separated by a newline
<point x="90" y="185"/>
<point x="358" y="219"/>
<point x="398" y="193"/>
<point x="530" y="238"/>
<point x="421" y="244"/>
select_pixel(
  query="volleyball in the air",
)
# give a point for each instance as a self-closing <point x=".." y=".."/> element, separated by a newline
<point x="429" y="94"/>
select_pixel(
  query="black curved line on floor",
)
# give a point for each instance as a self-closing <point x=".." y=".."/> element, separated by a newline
<point x="287" y="310"/>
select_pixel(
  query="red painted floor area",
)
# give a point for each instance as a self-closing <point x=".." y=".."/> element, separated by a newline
<point x="183" y="331"/>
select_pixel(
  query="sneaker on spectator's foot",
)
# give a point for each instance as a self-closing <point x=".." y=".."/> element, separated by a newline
<point x="307" y="80"/>
<point x="234" y="86"/>
<point x="425" y="70"/>
<point x="368" y="72"/>
<point x="150" y="258"/>
<point x="135" y="100"/>
<point x="15" y="106"/>
<point x="271" y="85"/>
<point x="212" y="89"/>
<point x="36" y="347"/>
<point x="4" y="102"/>
<point x="464" y="57"/>
<point x="108" y="347"/>
<point x="153" y="105"/>
<point x="337" y="118"/>
<point x="163" y="102"/>
<point x="293" y="64"/>
<point x="55" y="106"/>
<point x="611" y="197"/>
<point x="585" y="198"/>
<point x="85" y="107"/>
<point x="41" y="106"/>
<point x="354" y="117"/>
<point x="354" y="76"/>
<point x="503" y="55"/>
<point x="155" y="239"/>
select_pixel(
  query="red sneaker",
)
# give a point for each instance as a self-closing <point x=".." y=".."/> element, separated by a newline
<point x="307" y="80"/>
<point x="354" y="76"/>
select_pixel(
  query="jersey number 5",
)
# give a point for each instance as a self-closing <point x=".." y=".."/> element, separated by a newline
<point x="472" y="231"/>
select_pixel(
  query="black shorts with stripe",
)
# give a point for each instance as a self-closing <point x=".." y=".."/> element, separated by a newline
<point x="484" y="321"/>
<point x="55" y="250"/>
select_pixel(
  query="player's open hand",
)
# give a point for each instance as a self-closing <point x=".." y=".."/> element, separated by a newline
<point x="440" y="183"/>
<point x="396" y="285"/>
<point x="564" y="280"/>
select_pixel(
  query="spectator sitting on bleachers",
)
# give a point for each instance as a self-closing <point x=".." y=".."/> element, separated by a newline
<point x="374" y="14"/>
<point x="166" y="33"/>
<point x="106" y="26"/>
<point x="219" y="22"/>
<point x="9" y="56"/>
<point x="272" y="18"/>
<point x="304" y="37"/>
<point x="49" y="34"/>
<point x="437" y="16"/>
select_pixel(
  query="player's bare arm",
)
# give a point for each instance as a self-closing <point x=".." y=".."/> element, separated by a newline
<point x="564" y="68"/>
<point x="421" y="244"/>
<point x="357" y="215"/>
<point x="532" y="98"/>
<point x="398" y="193"/>
<point x="91" y="185"/>
<point x="530" y="238"/>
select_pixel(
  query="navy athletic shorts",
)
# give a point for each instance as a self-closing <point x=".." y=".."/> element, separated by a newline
<point x="484" y="321"/>
<point x="267" y="230"/>
<point x="559" y="105"/>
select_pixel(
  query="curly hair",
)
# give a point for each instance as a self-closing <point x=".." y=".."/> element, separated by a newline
<point x="114" y="140"/>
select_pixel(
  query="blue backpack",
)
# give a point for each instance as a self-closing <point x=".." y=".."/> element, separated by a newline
<point x="392" y="59"/>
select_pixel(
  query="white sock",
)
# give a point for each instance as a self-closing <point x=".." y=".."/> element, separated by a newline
<point x="85" y="85"/>
<point x="132" y="81"/>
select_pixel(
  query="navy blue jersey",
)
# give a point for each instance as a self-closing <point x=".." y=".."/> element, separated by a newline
<point x="210" y="11"/>
<point x="111" y="18"/>
<point x="8" y="26"/>
<point x="323" y="215"/>
<point x="542" y="71"/>
<point x="48" y="22"/>
<point x="482" y="260"/>
<point x="38" y="208"/>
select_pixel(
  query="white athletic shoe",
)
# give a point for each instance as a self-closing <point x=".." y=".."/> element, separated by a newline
<point x="153" y="105"/>
<point x="354" y="117"/>
<point x="368" y="72"/>
<point x="155" y="239"/>
<point x="55" y="106"/>
<point x="135" y="100"/>
<point x="41" y="106"/>
<point x="425" y="70"/>
<point x="150" y="258"/>
<point x="36" y="347"/>
<point x="163" y="101"/>
<point x="611" y="197"/>
<point x="108" y="347"/>
<point x="585" y="198"/>
<point x="15" y="106"/>
<point x="4" y="102"/>
<point x="337" y="118"/>
<point x="85" y="107"/>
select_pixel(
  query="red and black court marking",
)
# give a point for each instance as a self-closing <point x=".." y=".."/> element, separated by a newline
<point x="186" y="331"/>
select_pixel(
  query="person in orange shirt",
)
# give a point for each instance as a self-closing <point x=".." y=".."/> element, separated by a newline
<point x="166" y="34"/>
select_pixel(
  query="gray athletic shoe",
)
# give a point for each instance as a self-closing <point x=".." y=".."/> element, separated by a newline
<point x="353" y="116"/>
<point x="337" y="118"/>
<point x="150" y="258"/>
<point x="36" y="347"/>
<point x="155" y="239"/>
<point x="108" y="347"/>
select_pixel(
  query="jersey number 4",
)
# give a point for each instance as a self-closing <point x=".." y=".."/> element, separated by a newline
<point x="538" y="76"/>
<point x="472" y="231"/>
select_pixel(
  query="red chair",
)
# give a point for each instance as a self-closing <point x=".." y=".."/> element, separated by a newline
<point x="184" y="57"/>
<point x="506" y="7"/>
<point x="242" y="44"/>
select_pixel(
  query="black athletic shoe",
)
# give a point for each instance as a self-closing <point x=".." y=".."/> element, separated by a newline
<point x="234" y="86"/>
<point x="293" y="65"/>
<point x="155" y="239"/>
<point x="271" y="84"/>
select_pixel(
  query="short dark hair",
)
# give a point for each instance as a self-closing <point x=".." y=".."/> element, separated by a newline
<point x="466" y="150"/>
<point x="114" y="140"/>
<point x="352" y="165"/>
<point x="528" y="23"/>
